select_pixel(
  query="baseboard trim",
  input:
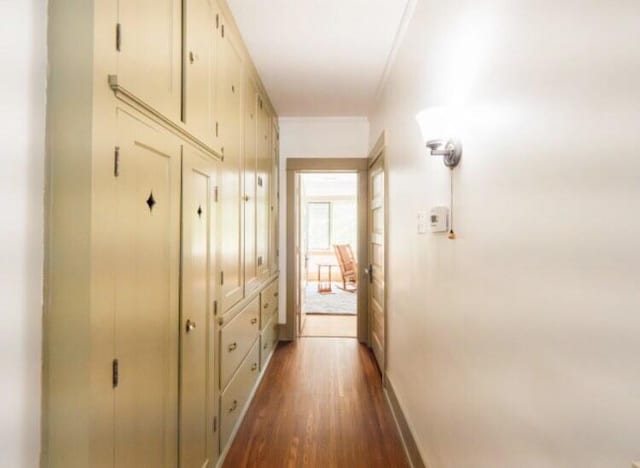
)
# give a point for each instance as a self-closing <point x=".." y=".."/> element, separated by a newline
<point x="285" y="332"/>
<point x="408" y="441"/>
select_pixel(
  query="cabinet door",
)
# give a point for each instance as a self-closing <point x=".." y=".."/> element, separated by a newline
<point x="250" y="170"/>
<point x="146" y="254"/>
<point x="199" y="72"/>
<point x="262" y="190"/>
<point x="275" y="196"/>
<point x="231" y="191"/>
<point x="199" y="175"/>
<point x="149" y="59"/>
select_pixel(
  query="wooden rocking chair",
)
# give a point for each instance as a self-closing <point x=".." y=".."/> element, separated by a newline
<point x="348" y="267"/>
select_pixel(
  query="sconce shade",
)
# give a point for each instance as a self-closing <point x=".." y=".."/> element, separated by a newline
<point x="437" y="123"/>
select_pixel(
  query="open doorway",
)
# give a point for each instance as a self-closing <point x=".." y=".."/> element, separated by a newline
<point x="328" y="233"/>
<point x="302" y="262"/>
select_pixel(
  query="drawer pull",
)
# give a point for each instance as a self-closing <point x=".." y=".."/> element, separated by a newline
<point x="266" y="306"/>
<point x="254" y="321"/>
<point x="254" y="367"/>
<point x="233" y="346"/>
<point x="234" y="406"/>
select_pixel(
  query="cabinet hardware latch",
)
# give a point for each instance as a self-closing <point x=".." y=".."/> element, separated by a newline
<point x="215" y="194"/>
<point x="115" y="377"/>
<point x="116" y="161"/>
<point x="215" y="424"/>
<point x="222" y="278"/>
<point x="215" y="307"/>
<point x="118" y="36"/>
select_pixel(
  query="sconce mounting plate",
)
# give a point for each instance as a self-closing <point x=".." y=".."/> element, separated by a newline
<point x="450" y="149"/>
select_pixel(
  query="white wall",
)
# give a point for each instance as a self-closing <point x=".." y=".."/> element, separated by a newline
<point x="314" y="137"/>
<point x="518" y="344"/>
<point x="22" y="111"/>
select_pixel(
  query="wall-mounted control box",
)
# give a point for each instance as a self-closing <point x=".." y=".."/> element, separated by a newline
<point x="439" y="219"/>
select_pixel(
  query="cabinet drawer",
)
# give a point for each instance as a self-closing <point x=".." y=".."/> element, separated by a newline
<point x="236" y="339"/>
<point x="268" y="302"/>
<point x="235" y="396"/>
<point x="268" y="340"/>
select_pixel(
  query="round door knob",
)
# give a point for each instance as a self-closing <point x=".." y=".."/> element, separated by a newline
<point x="234" y="405"/>
<point x="190" y="326"/>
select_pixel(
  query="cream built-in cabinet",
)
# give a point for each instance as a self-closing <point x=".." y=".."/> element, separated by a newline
<point x="251" y="279"/>
<point x="149" y="50"/>
<point x="161" y="275"/>
<point x="199" y="69"/>
<point x="229" y="104"/>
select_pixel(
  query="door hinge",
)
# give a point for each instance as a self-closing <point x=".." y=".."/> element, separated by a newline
<point x="222" y="277"/>
<point x="116" y="161"/>
<point x="260" y="181"/>
<point x="118" y="36"/>
<point x="259" y="261"/>
<point x="215" y="194"/>
<point x="217" y="129"/>
<point x="115" y="377"/>
<point x="222" y="29"/>
<point x="215" y="423"/>
<point x="215" y="307"/>
<point x="218" y="21"/>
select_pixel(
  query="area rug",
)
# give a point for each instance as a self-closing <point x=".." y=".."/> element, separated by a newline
<point x="336" y="302"/>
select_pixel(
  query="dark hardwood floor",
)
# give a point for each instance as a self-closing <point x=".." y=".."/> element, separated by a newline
<point x="320" y="404"/>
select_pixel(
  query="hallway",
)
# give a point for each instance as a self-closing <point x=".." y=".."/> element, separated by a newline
<point x="320" y="405"/>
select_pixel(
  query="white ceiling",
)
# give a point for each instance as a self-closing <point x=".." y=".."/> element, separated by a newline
<point x="320" y="57"/>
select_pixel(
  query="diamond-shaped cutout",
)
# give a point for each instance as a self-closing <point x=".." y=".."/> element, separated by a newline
<point x="151" y="201"/>
<point x="199" y="211"/>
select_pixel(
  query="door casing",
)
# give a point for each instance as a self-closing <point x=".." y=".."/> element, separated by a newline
<point x="297" y="166"/>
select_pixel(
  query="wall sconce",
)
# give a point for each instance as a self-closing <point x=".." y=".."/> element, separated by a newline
<point x="438" y="122"/>
<point x="450" y="149"/>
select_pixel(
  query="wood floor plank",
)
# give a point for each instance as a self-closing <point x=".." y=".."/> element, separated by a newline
<point x="325" y="325"/>
<point x="320" y="404"/>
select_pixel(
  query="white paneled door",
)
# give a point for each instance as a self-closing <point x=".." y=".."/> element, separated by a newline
<point x="376" y="269"/>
